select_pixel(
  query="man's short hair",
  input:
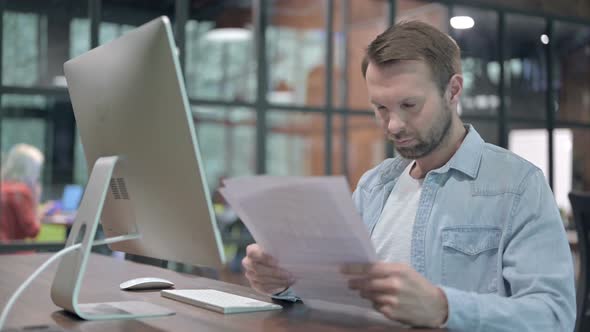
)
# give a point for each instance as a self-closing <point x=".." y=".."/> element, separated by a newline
<point x="415" y="40"/>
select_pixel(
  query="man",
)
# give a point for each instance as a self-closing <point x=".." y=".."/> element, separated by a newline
<point x="468" y="234"/>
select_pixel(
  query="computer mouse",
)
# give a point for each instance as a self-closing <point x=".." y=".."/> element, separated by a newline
<point x="146" y="283"/>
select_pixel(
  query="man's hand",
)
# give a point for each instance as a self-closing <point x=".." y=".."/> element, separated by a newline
<point x="263" y="272"/>
<point x="400" y="293"/>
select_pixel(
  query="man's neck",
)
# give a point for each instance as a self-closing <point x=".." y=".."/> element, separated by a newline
<point x="442" y="154"/>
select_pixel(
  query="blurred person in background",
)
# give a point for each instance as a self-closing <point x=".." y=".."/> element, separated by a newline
<point x="20" y="193"/>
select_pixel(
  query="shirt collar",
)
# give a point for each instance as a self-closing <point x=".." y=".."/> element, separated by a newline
<point x="466" y="159"/>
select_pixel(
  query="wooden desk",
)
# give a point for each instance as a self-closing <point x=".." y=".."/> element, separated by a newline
<point x="101" y="283"/>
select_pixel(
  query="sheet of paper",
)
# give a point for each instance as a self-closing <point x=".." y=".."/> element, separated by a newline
<point x="310" y="225"/>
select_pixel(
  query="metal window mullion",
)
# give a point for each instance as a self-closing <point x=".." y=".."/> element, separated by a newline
<point x="329" y="65"/>
<point x="344" y="86"/>
<point x="277" y="107"/>
<point x="260" y="23"/>
<point x="451" y="12"/>
<point x="94" y="15"/>
<point x="389" y="147"/>
<point x="181" y="12"/>
<point x="391" y="13"/>
<point x="549" y="100"/>
<point x="1" y="81"/>
<point x="502" y="114"/>
<point x="571" y="124"/>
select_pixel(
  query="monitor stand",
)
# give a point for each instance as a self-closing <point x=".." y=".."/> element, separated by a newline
<point x="68" y="278"/>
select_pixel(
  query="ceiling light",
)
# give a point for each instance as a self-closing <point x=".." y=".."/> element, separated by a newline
<point x="462" y="22"/>
<point x="544" y="39"/>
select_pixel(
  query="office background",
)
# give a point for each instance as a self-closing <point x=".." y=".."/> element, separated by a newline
<point x="275" y="85"/>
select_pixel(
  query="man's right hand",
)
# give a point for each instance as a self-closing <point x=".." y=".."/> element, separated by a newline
<point x="263" y="272"/>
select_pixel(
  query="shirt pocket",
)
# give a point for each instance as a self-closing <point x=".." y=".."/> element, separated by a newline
<point x="470" y="258"/>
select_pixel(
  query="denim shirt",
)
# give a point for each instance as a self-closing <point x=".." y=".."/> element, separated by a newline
<point x="489" y="233"/>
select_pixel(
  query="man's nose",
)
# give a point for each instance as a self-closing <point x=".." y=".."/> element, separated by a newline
<point x="395" y="125"/>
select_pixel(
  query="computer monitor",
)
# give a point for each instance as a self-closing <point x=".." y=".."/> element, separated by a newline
<point x="134" y="120"/>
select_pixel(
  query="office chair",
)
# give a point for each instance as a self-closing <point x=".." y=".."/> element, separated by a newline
<point x="581" y="209"/>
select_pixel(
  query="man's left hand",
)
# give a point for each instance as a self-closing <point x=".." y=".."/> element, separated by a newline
<point x="400" y="293"/>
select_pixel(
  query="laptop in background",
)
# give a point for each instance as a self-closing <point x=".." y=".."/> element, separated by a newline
<point x="67" y="205"/>
<point x="71" y="197"/>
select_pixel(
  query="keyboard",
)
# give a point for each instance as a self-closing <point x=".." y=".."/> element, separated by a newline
<point x="222" y="302"/>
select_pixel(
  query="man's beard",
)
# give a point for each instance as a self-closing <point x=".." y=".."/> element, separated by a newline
<point x="434" y="137"/>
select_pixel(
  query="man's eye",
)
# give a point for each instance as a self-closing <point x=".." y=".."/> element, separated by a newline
<point x="408" y="105"/>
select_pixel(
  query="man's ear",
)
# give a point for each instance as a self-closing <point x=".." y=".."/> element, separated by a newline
<point x="454" y="89"/>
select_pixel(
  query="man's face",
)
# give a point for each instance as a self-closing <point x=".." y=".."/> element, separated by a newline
<point x="409" y="106"/>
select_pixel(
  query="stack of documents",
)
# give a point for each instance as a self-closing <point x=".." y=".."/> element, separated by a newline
<point x="310" y="225"/>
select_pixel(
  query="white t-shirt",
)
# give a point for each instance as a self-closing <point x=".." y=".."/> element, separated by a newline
<point x="392" y="236"/>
